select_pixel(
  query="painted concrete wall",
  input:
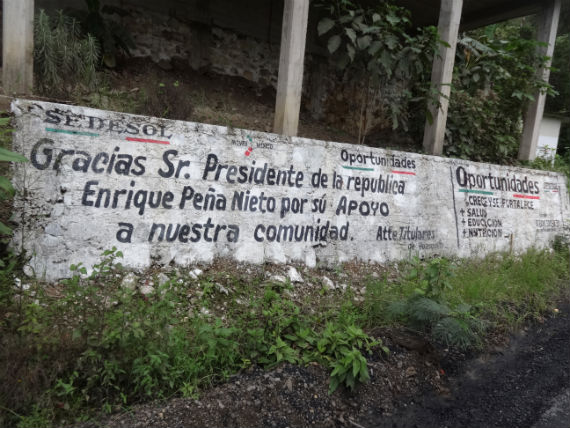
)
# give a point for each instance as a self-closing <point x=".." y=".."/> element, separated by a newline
<point x="165" y="191"/>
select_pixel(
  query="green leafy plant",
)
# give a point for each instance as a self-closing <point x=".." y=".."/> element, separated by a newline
<point x="341" y="347"/>
<point x="432" y="278"/>
<point x="63" y="57"/>
<point x="427" y="309"/>
<point x="283" y="333"/>
<point x="100" y="345"/>
<point x="376" y="43"/>
<point x="494" y="80"/>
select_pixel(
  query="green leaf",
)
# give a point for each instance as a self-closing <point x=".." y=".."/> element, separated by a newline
<point x="324" y="26"/>
<point x="333" y="385"/>
<point x="6" y="186"/>
<point x="9" y="156"/>
<point x="355" y="367"/>
<point x="334" y="43"/>
<point x="364" y="376"/>
<point x="4" y="230"/>
<point x="351" y="35"/>
<point x="350" y="381"/>
<point x="363" y="42"/>
<point x="338" y="368"/>
<point x="391" y="41"/>
<point x="393" y="19"/>
<point x="374" y="47"/>
<point x="376" y="17"/>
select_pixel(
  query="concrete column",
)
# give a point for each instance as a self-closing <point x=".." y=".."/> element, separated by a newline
<point x="291" y="60"/>
<point x="18" y="46"/>
<point x="442" y="74"/>
<point x="547" y="27"/>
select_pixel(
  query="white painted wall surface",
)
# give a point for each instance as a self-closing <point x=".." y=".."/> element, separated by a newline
<point x="434" y="206"/>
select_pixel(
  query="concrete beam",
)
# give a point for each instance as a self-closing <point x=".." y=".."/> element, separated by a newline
<point x="442" y="74"/>
<point x="291" y="60"/>
<point x="491" y="12"/>
<point x="18" y="46"/>
<point x="547" y="27"/>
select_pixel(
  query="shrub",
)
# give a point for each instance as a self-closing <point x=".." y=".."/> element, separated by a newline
<point x="376" y="42"/>
<point x="493" y="82"/>
<point x="427" y="309"/>
<point x="63" y="57"/>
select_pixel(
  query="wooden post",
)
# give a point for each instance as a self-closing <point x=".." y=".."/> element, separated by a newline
<point x="18" y="46"/>
<point x="547" y="27"/>
<point x="441" y="75"/>
<point x="290" y="81"/>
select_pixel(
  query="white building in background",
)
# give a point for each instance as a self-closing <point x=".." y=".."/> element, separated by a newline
<point x="548" y="137"/>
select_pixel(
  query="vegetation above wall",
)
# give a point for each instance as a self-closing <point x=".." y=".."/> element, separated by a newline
<point x="378" y="43"/>
<point x="494" y="81"/>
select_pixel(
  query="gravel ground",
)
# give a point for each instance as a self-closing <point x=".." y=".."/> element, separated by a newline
<point x="524" y="383"/>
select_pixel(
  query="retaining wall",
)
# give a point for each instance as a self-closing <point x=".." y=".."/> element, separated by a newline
<point x="180" y="192"/>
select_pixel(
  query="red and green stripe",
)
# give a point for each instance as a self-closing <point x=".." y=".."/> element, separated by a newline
<point x="93" y="134"/>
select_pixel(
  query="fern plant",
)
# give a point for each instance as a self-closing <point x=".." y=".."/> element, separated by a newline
<point x="62" y="56"/>
<point x="428" y="310"/>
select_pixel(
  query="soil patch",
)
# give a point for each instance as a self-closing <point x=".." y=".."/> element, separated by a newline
<point x="508" y="387"/>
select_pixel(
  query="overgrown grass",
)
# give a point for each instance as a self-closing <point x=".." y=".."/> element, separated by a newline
<point x="93" y="344"/>
<point x="502" y="290"/>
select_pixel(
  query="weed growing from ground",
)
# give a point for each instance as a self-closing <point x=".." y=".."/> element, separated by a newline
<point x="109" y="346"/>
<point x="457" y="301"/>
<point x="97" y="345"/>
<point x="428" y="309"/>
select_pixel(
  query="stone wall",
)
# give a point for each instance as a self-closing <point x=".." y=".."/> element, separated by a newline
<point x="179" y="192"/>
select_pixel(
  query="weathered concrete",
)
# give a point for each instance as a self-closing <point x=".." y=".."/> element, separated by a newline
<point x="442" y="75"/>
<point x="291" y="66"/>
<point x="547" y="27"/>
<point x="18" y="46"/>
<point x="165" y="191"/>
